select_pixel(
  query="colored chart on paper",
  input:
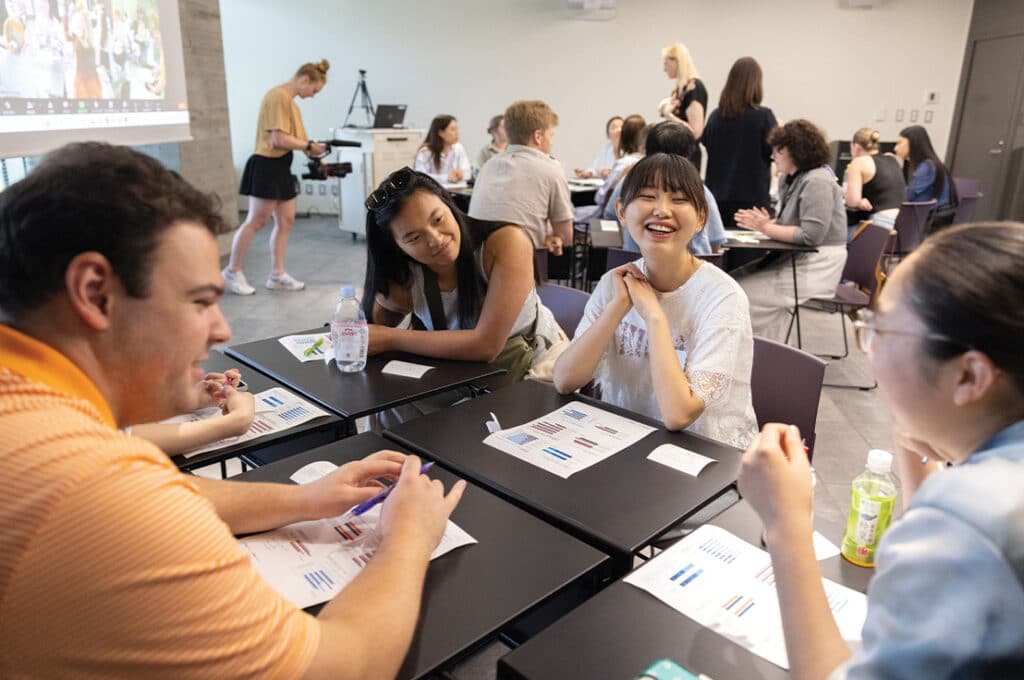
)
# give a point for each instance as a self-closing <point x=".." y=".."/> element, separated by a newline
<point x="277" y="410"/>
<point x="570" y="439"/>
<point x="299" y="345"/>
<point x="310" y="562"/>
<point x="728" y="585"/>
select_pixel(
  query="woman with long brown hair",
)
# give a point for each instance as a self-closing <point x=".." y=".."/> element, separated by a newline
<point x="736" y="137"/>
<point x="441" y="155"/>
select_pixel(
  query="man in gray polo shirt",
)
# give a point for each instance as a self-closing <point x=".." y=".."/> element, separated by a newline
<point x="523" y="185"/>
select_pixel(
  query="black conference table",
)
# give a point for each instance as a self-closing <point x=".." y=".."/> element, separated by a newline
<point x="519" y="565"/>
<point x="276" y="445"/>
<point x="353" y="395"/>
<point x="770" y="246"/>
<point x="619" y="505"/>
<point x="622" y="630"/>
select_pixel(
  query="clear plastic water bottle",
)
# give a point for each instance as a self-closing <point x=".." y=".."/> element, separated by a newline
<point x="349" y="333"/>
<point x="872" y="502"/>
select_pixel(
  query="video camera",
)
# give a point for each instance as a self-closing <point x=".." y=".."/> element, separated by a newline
<point x="319" y="170"/>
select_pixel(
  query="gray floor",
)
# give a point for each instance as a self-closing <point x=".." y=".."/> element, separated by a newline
<point x="849" y="421"/>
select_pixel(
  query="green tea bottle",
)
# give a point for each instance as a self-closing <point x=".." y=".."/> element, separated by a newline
<point x="872" y="501"/>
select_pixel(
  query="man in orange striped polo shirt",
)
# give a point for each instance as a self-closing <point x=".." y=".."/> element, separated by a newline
<point x="112" y="563"/>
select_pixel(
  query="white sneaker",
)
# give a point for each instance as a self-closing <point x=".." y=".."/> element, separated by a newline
<point x="235" y="282"/>
<point x="284" y="282"/>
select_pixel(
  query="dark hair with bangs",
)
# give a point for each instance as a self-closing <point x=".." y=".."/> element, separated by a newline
<point x="805" y="143"/>
<point x="967" y="283"/>
<point x="87" y="197"/>
<point x="668" y="172"/>
<point x="386" y="262"/>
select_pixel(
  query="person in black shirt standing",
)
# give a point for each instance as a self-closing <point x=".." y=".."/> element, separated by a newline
<point x="688" y="103"/>
<point x="736" y="137"/>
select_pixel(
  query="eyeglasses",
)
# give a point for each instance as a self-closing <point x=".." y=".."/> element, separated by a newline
<point x="864" y="331"/>
<point x="391" y="185"/>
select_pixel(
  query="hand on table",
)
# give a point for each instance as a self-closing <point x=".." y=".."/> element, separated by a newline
<point x="583" y="173"/>
<point x="379" y="338"/>
<point x="352" y="483"/>
<point x="775" y="477"/>
<point x="239" y="409"/>
<point x="456" y="175"/>
<point x="418" y="508"/>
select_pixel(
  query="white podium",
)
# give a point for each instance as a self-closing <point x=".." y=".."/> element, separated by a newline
<point x="382" y="152"/>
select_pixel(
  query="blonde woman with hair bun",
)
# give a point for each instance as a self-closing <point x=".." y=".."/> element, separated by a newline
<point x="688" y="101"/>
<point x="268" y="181"/>
<point x="875" y="187"/>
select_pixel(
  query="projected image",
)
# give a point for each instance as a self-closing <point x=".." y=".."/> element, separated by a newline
<point x="81" y="49"/>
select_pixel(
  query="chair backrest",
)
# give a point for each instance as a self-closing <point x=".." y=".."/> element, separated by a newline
<point x="912" y="224"/>
<point x="618" y="257"/>
<point x="967" y="186"/>
<point x="864" y="257"/>
<point x="785" y="385"/>
<point x="567" y="304"/>
<point x="965" y="209"/>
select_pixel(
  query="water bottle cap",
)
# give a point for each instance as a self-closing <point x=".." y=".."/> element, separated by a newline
<point x="348" y="291"/>
<point x="879" y="461"/>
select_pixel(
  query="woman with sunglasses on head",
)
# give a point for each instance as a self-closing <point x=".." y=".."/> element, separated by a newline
<point x="468" y="283"/>
<point x="947" y="597"/>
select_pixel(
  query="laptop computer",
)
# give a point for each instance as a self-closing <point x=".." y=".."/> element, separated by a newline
<point x="389" y="116"/>
<point x="605" y="234"/>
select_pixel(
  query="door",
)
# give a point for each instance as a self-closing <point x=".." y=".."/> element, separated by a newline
<point x="984" y="143"/>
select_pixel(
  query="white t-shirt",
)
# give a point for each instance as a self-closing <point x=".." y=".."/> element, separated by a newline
<point x="710" y="326"/>
<point x="455" y="158"/>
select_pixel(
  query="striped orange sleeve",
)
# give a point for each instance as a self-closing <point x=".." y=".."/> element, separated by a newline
<point x="136" y="576"/>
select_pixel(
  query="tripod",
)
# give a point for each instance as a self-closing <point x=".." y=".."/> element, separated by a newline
<point x="365" y="102"/>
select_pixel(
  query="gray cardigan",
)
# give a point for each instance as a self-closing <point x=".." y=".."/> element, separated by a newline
<point x="812" y="201"/>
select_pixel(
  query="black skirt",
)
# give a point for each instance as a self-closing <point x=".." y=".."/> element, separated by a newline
<point x="269" y="178"/>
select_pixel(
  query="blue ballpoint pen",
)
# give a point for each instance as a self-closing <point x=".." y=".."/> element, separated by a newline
<point x="379" y="498"/>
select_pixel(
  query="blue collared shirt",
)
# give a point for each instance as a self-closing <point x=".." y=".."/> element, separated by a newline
<point x="947" y="600"/>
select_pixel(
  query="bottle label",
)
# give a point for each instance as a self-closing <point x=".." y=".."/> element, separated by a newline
<point x="868" y="521"/>
<point x="348" y="341"/>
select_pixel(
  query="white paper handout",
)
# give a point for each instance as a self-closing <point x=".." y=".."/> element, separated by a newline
<point x="405" y="369"/>
<point x="313" y="471"/>
<point x="277" y="410"/>
<point x="311" y="562"/>
<point x="569" y="439"/>
<point x="299" y="345"/>
<point x="728" y="585"/>
<point x="747" y="236"/>
<point x="678" y="458"/>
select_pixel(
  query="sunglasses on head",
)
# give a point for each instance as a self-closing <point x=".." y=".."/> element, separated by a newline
<point x="391" y="185"/>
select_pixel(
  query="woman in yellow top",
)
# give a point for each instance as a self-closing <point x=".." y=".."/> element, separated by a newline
<point x="268" y="181"/>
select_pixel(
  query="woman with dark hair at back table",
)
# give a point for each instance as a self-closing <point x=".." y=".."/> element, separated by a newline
<point x="499" y="140"/>
<point x="268" y="180"/>
<point x="947" y="596"/>
<point x="688" y="101"/>
<point x="875" y="187"/>
<point x="630" y="151"/>
<point x="468" y="283"/>
<point x="607" y="154"/>
<point x="811" y="213"/>
<point x="736" y="137"/>
<point x="441" y="155"/>
<point x="926" y="175"/>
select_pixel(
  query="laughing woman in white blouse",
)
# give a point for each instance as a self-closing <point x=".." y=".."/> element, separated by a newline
<point x="668" y="336"/>
<point x="441" y="155"/>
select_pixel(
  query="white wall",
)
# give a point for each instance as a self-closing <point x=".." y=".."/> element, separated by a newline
<point x="835" y="66"/>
